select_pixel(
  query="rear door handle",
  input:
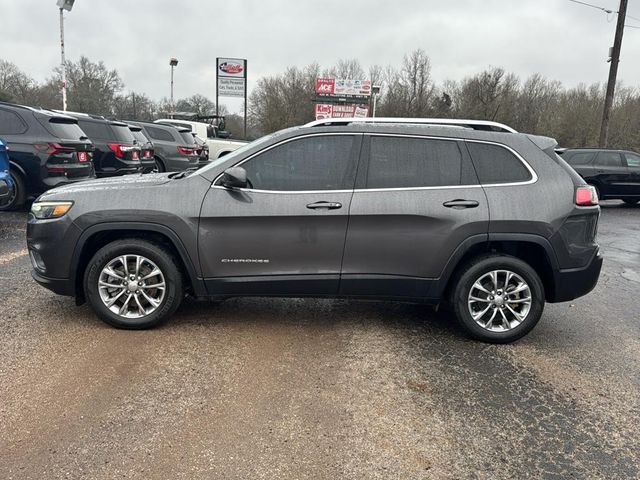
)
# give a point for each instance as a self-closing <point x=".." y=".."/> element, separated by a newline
<point x="327" y="205"/>
<point x="459" y="204"/>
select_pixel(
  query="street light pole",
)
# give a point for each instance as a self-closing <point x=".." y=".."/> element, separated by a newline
<point x="173" y="62"/>
<point x="63" y="64"/>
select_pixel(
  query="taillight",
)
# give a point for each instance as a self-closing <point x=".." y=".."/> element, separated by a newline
<point x="119" y="149"/>
<point x="82" y="156"/>
<point x="52" y="148"/>
<point x="186" y="151"/>
<point x="586" y="196"/>
<point x="147" y="153"/>
<point x="135" y="155"/>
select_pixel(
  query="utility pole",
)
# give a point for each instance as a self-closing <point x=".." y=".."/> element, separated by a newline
<point x="173" y="62"/>
<point x="613" y="73"/>
<point x="63" y="64"/>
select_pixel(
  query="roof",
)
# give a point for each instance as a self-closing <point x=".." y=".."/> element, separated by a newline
<point x="465" y="123"/>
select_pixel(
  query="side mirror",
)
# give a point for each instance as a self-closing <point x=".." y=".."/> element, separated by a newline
<point x="235" y="177"/>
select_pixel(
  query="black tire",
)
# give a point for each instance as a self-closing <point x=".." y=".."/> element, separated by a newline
<point x="163" y="259"/>
<point x="20" y="193"/>
<point x="631" y="201"/>
<point x="159" y="168"/>
<point x="475" y="270"/>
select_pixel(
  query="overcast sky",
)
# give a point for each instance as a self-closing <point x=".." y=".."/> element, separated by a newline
<point x="560" y="39"/>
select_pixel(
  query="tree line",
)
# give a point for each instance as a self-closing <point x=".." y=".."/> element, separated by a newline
<point x="534" y="104"/>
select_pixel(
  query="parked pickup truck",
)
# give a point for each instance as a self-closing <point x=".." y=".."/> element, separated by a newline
<point x="218" y="146"/>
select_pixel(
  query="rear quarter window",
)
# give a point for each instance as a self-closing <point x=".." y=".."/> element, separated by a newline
<point x="496" y="164"/>
<point x="159" y="134"/>
<point x="11" y="123"/>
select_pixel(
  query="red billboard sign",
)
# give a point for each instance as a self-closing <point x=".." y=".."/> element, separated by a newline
<point x="325" y="86"/>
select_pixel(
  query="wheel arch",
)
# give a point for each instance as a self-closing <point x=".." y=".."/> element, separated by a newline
<point x="535" y="250"/>
<point x="97" y="236"/>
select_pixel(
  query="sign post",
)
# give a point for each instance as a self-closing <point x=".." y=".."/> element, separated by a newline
<point x="231" y="81"/>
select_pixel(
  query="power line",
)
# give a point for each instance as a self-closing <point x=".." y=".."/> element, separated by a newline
<point x="606" y="10"/>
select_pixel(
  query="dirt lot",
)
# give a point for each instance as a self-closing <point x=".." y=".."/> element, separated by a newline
<point x="271" y="388"/>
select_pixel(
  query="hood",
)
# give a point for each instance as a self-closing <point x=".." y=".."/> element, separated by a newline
<point x="127" y="182"/>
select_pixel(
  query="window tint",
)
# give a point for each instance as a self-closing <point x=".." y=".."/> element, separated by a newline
<point x="95" y="130"/>
<point x="10" y="123"/>
<point x="609" y="159"/>
<point x="400" y="162"/>
<point x="122" y="133"/>
<point x="633" y="159"/>
<point x="139" y="136"/>
<point x="187" y="138"/>
<point x="312" y="163"/>
<point x="159" y="134"/>
<point x="63" y="129"/>
<point x="579" y="158"/>
<point x="496" y="164"/>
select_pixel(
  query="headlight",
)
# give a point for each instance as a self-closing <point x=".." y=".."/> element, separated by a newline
<point x="42" y="210"/>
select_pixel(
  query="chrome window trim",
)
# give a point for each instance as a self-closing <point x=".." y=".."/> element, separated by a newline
<point x="532" y="180"/>
<point x="325" y="134"/>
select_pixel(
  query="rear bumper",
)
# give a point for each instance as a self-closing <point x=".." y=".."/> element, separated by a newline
<point x="59" y="286"/>
<point x="576" y="282"/>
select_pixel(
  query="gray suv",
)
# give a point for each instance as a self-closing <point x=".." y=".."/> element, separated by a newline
<point x="469" y="214"/>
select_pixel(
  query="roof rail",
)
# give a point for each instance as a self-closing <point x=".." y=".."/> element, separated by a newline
<point x="474" y="124"/>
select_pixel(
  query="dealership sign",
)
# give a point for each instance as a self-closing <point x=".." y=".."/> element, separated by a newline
<point x="231" y="87"/>
<point x="344" y="88"/>
<point x="328" y="110"/>
<point x="232" y="67"/>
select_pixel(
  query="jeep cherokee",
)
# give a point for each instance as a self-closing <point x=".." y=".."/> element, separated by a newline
<point x="467" y="213"/>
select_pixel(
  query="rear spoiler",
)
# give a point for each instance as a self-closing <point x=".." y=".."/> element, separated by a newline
<point x="543" y="143"/>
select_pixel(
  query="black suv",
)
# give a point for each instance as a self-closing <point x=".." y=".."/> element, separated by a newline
<point x="175" y="149"/>
<point x="493" y="223"/>
<point x="46" y="149"/>
<point x="614" y="173"/>
<point x="147" y="161"/>
<point x="116" y="151"/>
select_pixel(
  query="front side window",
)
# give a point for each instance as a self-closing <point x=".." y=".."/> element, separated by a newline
<point x="633" y="160"/>
<point x="311" y="163"/>
<point x="407" y="162"/>
<point x="496" y="164"/>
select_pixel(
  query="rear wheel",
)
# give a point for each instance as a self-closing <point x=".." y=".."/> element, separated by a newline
<point x="159" y="168"/>
<point x="133" y="284"/>
<point x="498" y="299"/>
<point x="19" y="193"/>
<point x="631" y="201"/>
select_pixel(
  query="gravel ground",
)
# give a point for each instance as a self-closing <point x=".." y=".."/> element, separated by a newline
<point x="287" y="388"/>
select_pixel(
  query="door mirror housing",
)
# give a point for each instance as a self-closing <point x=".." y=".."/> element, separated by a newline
<point x="235" y="177"/>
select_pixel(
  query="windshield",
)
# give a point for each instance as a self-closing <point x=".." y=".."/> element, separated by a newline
<point x="238" y="152"/>
<point x="187" y="137"/>
<point x="64" y="129"/>
<point x="122" y="133"/>
<point x="139" y="136"/>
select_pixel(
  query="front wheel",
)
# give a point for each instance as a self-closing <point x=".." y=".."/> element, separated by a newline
<point x="133" y="284"/>
<point x="498" y="299"/>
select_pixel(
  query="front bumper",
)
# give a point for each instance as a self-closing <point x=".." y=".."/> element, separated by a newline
<point x="576" y="282"/>
<point x="60" y="286"/>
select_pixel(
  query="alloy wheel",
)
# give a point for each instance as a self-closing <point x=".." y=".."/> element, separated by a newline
<point x="499" y="300"/>
<point x="131" y="286"/>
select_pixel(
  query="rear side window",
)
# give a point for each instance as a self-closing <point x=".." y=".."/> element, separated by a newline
<point x="609" y="159"/>
<point x="496" y="164"/>
<point x="579" y="158"/>
<point x="11" y="123"/>
<point x="159" y="134"/>
<point x="95" y="130"/>
<point x="63" y="129"/>
<point x="122" y="133"/>
<point x="402" y="162"/>
<point x="312" y="163"/>
<point x="633" y="159"/>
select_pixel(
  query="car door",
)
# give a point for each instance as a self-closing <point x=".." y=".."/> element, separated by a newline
<point x="633" y="165"/>
<point x="611" y="173"/>
<point x="416" y="200"/>
<point x="285" y="233"/>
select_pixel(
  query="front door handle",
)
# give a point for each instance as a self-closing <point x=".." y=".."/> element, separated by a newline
<point x="459" y="204"/>
<point x="327" y="205"/>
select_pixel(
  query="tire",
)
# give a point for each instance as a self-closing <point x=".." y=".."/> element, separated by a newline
<point x="150" y="315"/>
<point x="496" y="331"/>
<point x="631" y="201"/>
<point x="159" y="168"/>
<point x="20" y="195"/>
